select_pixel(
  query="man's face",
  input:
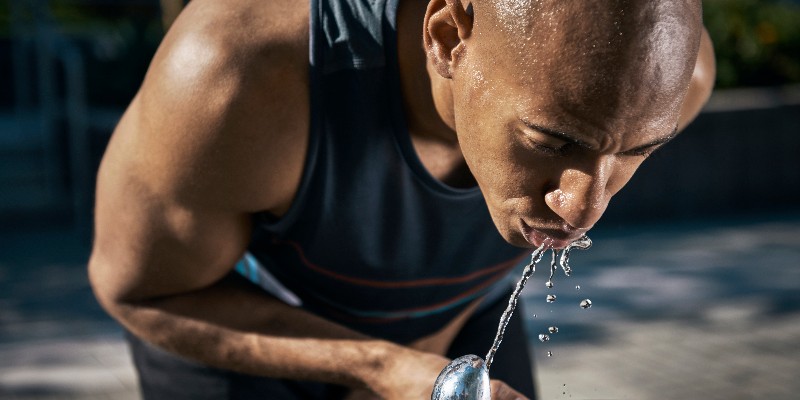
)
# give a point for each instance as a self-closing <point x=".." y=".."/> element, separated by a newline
<point x="551" y="133"/>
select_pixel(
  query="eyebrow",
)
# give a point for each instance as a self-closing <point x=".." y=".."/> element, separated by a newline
<point x="572" y="139"/>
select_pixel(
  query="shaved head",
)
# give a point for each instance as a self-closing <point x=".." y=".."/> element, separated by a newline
<point x="581" y="50"/>
<point x="556" y="103"/>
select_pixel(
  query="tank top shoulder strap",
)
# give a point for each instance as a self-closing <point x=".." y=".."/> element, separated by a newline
<point x="348" y="34"/>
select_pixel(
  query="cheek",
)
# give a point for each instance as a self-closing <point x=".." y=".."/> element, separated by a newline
<point x="485" y="112"/>
<point x="622" y="174"/>
<point x="502" y="166"/>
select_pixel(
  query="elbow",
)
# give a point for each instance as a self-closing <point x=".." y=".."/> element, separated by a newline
<point x="104" y="288"/>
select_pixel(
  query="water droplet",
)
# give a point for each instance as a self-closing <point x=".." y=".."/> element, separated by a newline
<point x="577" y="287"/>
<point x="586" y="303"/>
<point x="536" y="256"/>
<point x="549" y="353"/>
<point x="544" y="337"/>
<point x="553" y="266"/>
<point x="553" y="329"/>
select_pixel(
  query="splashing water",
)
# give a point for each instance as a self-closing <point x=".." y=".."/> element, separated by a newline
<point x="453" y="373"/>
<point x="544" y="337"/>
<point x="583" y="243"/>
<point x="536" y="256"/>
<point x="551" y="298"/>
<point x="586" y="303"/>
<point x="553" y="267"/>
<point x="553" y="329"/>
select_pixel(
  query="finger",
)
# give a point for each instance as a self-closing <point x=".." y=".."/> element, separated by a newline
<point x="501" y="391"/>
<point x="360" y="394"/>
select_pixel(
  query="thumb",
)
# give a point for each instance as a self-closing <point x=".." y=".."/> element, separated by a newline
<point x="501" y="391"/>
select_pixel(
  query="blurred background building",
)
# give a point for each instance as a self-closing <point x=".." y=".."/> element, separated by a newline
<point x="69" y="67"/>
<point x="67" y="70"/>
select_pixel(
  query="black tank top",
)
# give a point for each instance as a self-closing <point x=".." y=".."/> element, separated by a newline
<point x="372" y="241"/>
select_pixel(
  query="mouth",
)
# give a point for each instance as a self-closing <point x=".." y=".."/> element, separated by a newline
<point x="551" y="238"/>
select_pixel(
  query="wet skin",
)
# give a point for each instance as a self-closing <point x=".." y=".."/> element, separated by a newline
<point x="552" y="131"/>
<point x="219" y="131"/>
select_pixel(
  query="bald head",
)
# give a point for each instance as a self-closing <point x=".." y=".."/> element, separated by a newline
<point x="556" y="103"/>
<point x="620" y="53"/>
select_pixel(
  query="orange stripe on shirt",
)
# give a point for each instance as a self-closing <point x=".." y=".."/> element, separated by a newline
<point x="400" y="284"/>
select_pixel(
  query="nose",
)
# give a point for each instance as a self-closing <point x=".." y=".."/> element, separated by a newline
<point x="581" y="195"/>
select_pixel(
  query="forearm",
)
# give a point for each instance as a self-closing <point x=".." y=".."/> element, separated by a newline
<point x="233" y="326"/>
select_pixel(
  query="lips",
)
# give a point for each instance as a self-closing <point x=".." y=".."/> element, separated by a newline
<point x="552" y="238"/>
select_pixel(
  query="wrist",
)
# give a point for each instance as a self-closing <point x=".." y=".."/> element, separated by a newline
<point x="403" y="371"/>
<point x="382" y="361"/>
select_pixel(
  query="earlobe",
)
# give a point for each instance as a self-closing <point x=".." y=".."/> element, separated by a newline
<point x="447" y="23"/>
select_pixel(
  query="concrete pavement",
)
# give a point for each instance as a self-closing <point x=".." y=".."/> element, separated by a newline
<point x="703" y="310"/>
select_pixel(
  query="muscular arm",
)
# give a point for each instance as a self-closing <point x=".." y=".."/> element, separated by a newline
<point x="701" y="84"/>
<point x="217" y="132"/>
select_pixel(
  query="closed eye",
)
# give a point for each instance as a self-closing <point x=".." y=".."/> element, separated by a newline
<point x="551" y="142"/>
<point x="647" y="149"/>
<point x="642" y="151"/>
<point x="548" y="146"/>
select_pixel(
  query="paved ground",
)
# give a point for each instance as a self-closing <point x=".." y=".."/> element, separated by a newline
<point x="683" y="311"/>
<point x="680" y="311"/>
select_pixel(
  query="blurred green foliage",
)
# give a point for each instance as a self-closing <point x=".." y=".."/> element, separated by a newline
<point x="5" y="19"/>
<point x="757" y="42"/>
<point x="119" y="38"/>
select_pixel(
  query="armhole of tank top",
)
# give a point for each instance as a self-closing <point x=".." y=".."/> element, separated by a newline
<point x="283" y="223"/>
<point x="401" y="134"/>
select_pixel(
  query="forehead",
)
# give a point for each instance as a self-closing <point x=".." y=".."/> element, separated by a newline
<point x="599" y="62"/>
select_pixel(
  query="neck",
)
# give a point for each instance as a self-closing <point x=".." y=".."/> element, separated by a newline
<point x="427" y="97"/>
<point x="428" y="103"/>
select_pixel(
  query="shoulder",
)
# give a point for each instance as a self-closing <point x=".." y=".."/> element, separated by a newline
<point x="222" y="115"/>
<point x="702" y="82"/>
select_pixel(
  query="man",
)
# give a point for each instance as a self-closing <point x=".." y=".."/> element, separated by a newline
<point x="366" y="155"/>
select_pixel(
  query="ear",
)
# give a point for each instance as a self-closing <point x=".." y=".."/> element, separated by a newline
<point x="447" y="24"/>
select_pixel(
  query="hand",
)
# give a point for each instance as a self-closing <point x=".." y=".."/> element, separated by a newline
<point x="501" y="391"/>
<point x="411" y="375"/>
<point x="426" y="361"/>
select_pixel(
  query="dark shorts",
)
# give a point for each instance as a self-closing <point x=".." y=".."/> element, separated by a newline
<point x="163" y="375"/>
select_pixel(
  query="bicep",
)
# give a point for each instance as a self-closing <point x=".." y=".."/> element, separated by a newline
<point x="208" y="140"/>
<point x="151" y="241"/>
